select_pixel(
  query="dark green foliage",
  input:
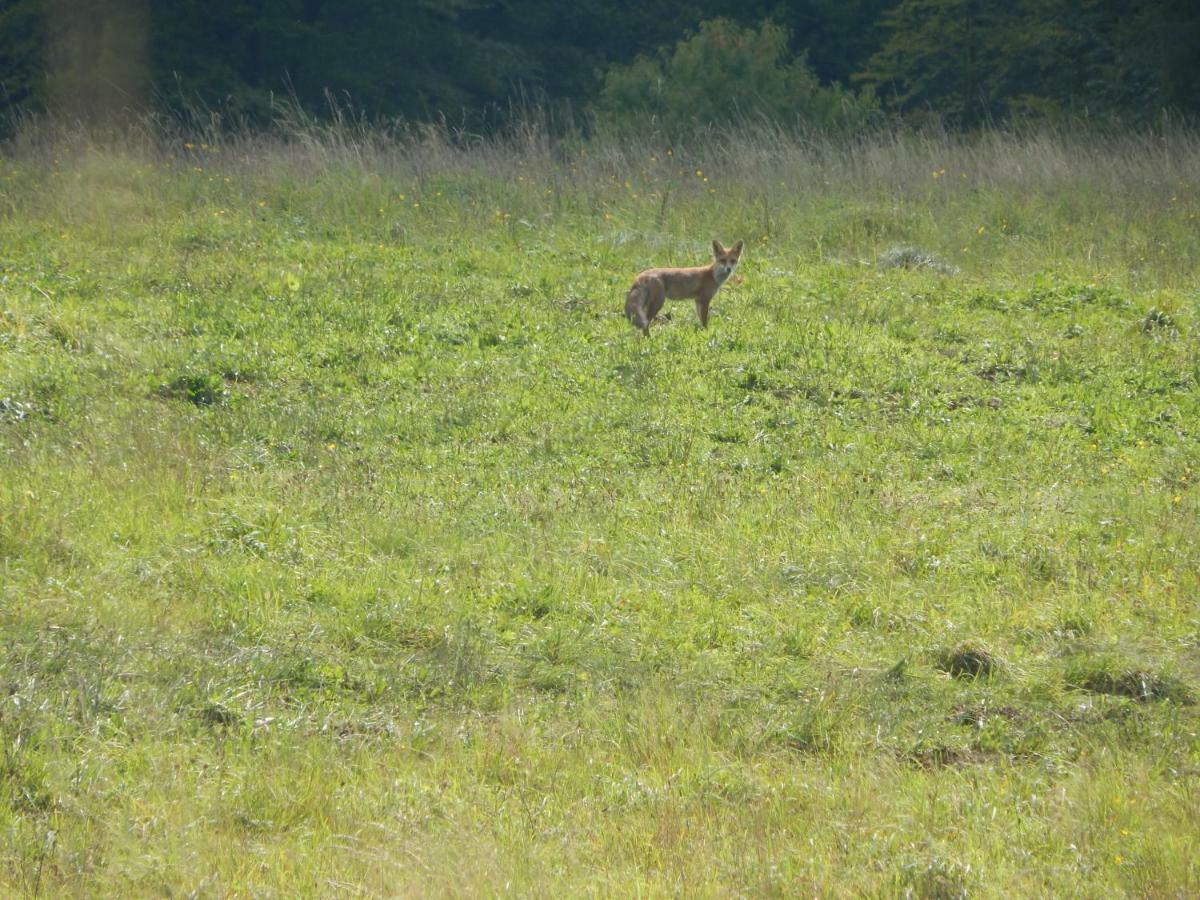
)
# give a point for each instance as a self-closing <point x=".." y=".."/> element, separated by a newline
<point x="964" y="62"/>
<point x="413" y="58"/>
<point x="973" y="62"/>
<point x="21" y="28"/>
<point x="724" y="73"/>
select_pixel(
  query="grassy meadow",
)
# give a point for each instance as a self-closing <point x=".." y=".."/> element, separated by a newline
<point x="353" y="544"/>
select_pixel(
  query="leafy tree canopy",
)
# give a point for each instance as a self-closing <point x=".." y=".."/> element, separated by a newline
<point x="962" y="61"/>
<point x="723" y="73"/>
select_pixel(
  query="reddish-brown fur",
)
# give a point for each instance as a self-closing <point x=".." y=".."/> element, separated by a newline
<point x="654" y="287"/>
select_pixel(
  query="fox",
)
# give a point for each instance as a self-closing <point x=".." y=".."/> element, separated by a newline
<point x="653" y="287"/>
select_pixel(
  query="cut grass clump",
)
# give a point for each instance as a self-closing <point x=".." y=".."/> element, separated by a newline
<point x="914" y="258"/>
<point x="13" y="410"/>
<point x="942" y="756"/>
<point x="978" y="715"/>
<point x="936" y="879"/>
<point x="969" y="660"/>
<point x="1157" y="320"/>
<point x="1118" y="677"/>
<point x="197" y="388"/>
<point x="218" y="715"/>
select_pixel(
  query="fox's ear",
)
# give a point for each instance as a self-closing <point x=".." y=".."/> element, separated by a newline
<point x="736" y="249"/>
<point x="717" y="248"/>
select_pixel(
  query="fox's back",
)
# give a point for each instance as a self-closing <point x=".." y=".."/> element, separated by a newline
<point x="678" y="283"/>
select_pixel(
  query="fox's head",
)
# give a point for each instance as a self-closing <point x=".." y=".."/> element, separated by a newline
<point x="724" y="260"/>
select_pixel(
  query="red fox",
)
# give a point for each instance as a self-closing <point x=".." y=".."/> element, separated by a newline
<point x="652" y="288"/>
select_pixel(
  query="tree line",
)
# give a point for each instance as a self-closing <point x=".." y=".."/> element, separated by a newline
<point x="819" y="63"/>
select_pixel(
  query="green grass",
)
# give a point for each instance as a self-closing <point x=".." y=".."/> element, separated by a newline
<point x="351" y="542"/>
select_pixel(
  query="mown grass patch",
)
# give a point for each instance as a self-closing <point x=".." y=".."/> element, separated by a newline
<point x="351" y="540"/>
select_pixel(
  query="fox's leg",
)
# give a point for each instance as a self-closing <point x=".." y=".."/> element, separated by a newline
<point x="656" y="296"/>
<point x="702" y="310"/>
<point x="635" y="308"/>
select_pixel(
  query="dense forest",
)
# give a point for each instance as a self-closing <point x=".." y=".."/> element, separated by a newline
<point x="824" y="63"/>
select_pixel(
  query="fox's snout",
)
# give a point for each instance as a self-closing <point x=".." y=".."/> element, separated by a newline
<point x="723" y="268"/>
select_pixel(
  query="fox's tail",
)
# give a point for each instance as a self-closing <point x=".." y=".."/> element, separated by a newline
<point x="635" y="308"/>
